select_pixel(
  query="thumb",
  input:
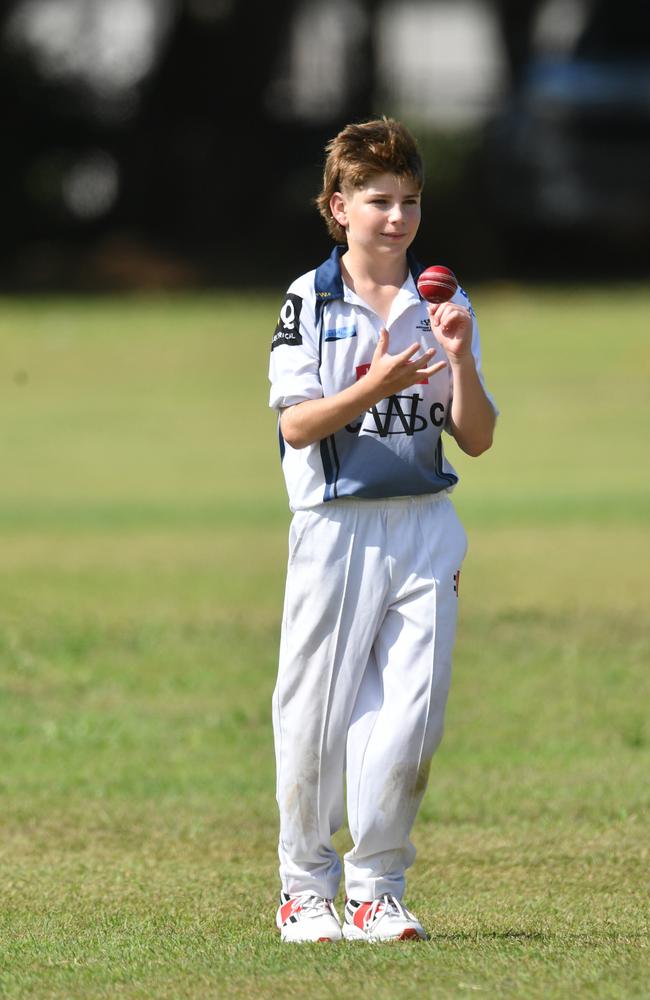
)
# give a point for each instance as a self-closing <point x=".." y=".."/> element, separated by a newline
<point x="382" y="343"/>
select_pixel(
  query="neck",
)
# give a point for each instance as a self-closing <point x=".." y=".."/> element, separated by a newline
<point x="359" y="268"/>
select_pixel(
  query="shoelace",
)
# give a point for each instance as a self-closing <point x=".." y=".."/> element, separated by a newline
<point x="310" y="901"/>
<point x="386" y="904"/>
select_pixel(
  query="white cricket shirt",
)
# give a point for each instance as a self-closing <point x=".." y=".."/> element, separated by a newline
<point x="324" y="341"/>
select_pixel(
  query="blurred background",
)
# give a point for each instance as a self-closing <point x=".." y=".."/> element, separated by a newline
<point x="165" y="144"/>
<point x="164" y="154"/>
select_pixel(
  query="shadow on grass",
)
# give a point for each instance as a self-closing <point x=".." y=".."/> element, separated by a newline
<point x="509" y="935"/>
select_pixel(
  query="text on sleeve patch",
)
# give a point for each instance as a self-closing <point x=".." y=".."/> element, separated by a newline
<point x="288" y="329"/>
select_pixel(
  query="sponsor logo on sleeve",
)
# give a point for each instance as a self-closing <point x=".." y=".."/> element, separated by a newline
<point x="288" y="329"/>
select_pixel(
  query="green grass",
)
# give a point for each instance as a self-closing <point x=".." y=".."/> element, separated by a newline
<point x="143" y="532"/>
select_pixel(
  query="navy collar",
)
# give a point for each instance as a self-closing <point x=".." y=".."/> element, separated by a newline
<point x="328" y="281"/>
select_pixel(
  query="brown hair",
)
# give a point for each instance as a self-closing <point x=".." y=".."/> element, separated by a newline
<point x="379" y="146"/>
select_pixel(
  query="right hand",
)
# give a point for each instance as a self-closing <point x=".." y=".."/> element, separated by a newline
<point x="391" y="373"/>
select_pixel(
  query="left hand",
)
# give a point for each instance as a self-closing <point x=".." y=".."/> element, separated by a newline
<point x="451" y="325"/>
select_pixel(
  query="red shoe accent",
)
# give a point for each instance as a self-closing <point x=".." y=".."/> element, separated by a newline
<point x="410" y="934"/>
<point x="360" y="914"/>
<point x="288" y="909"/>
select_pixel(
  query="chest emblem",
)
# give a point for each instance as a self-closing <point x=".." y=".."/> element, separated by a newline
<point x="340" y="333"/>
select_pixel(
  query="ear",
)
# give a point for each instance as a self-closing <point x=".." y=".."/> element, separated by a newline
<point x="338" y="208"/>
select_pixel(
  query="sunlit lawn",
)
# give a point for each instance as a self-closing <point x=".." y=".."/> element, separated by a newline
<point x="143" y="532"/>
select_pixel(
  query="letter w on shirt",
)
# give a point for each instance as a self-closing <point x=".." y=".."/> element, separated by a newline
<point x="396" y="418"/>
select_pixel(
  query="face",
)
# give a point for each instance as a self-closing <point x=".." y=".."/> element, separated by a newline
<point x="382" y="216"/>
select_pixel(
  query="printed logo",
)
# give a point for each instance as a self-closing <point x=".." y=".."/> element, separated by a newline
<point x="288" y="329"/>
<point x="398" y="419"/>
<point x="424" y="325"/>
<point x="340" y="333"/>
<point x="398" y="415"/>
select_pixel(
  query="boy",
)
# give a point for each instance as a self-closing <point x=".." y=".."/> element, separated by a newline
<point x="375" y="545"/>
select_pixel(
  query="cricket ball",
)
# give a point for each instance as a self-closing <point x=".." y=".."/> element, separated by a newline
<point x="437" y="284"/>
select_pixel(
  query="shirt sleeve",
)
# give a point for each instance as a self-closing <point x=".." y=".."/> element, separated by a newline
<point x="294" y="365"/>
<point x="476" y="351"/>
<point x="463" y="299"/>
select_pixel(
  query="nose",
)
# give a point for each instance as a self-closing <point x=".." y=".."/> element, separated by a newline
<point x="396" y="213"/>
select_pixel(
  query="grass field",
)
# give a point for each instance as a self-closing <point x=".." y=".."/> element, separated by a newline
<point x="143" y="529"/>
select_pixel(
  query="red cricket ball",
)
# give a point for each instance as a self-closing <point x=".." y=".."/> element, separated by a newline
<point x="437" y="284"/>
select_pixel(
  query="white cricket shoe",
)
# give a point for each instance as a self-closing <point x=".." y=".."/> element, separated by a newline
<point x="383" y="919"/>
<point x="307" y="917"/>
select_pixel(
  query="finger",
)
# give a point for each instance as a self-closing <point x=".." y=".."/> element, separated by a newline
<point x="424" y="359"/>
<point x="433" y="369"/>
<point x="450" y="313"/>
<point x="382" y="343"/>
<point x="444" y="307"/>
<point x="435" y="313"/>
<point x="452" y="326"/>
<point x="408" y="353"/>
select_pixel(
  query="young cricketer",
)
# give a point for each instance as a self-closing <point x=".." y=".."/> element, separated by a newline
<point x="365" y="377"/>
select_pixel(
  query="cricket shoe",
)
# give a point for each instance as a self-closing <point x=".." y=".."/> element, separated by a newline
<point x="383" y="919"/>
<point x="307" y="917"/>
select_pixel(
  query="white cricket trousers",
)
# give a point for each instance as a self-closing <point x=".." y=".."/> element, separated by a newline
<point x="365" y="663"/>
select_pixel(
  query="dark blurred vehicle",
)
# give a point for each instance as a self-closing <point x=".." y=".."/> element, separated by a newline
<point x="567" y="163"/>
